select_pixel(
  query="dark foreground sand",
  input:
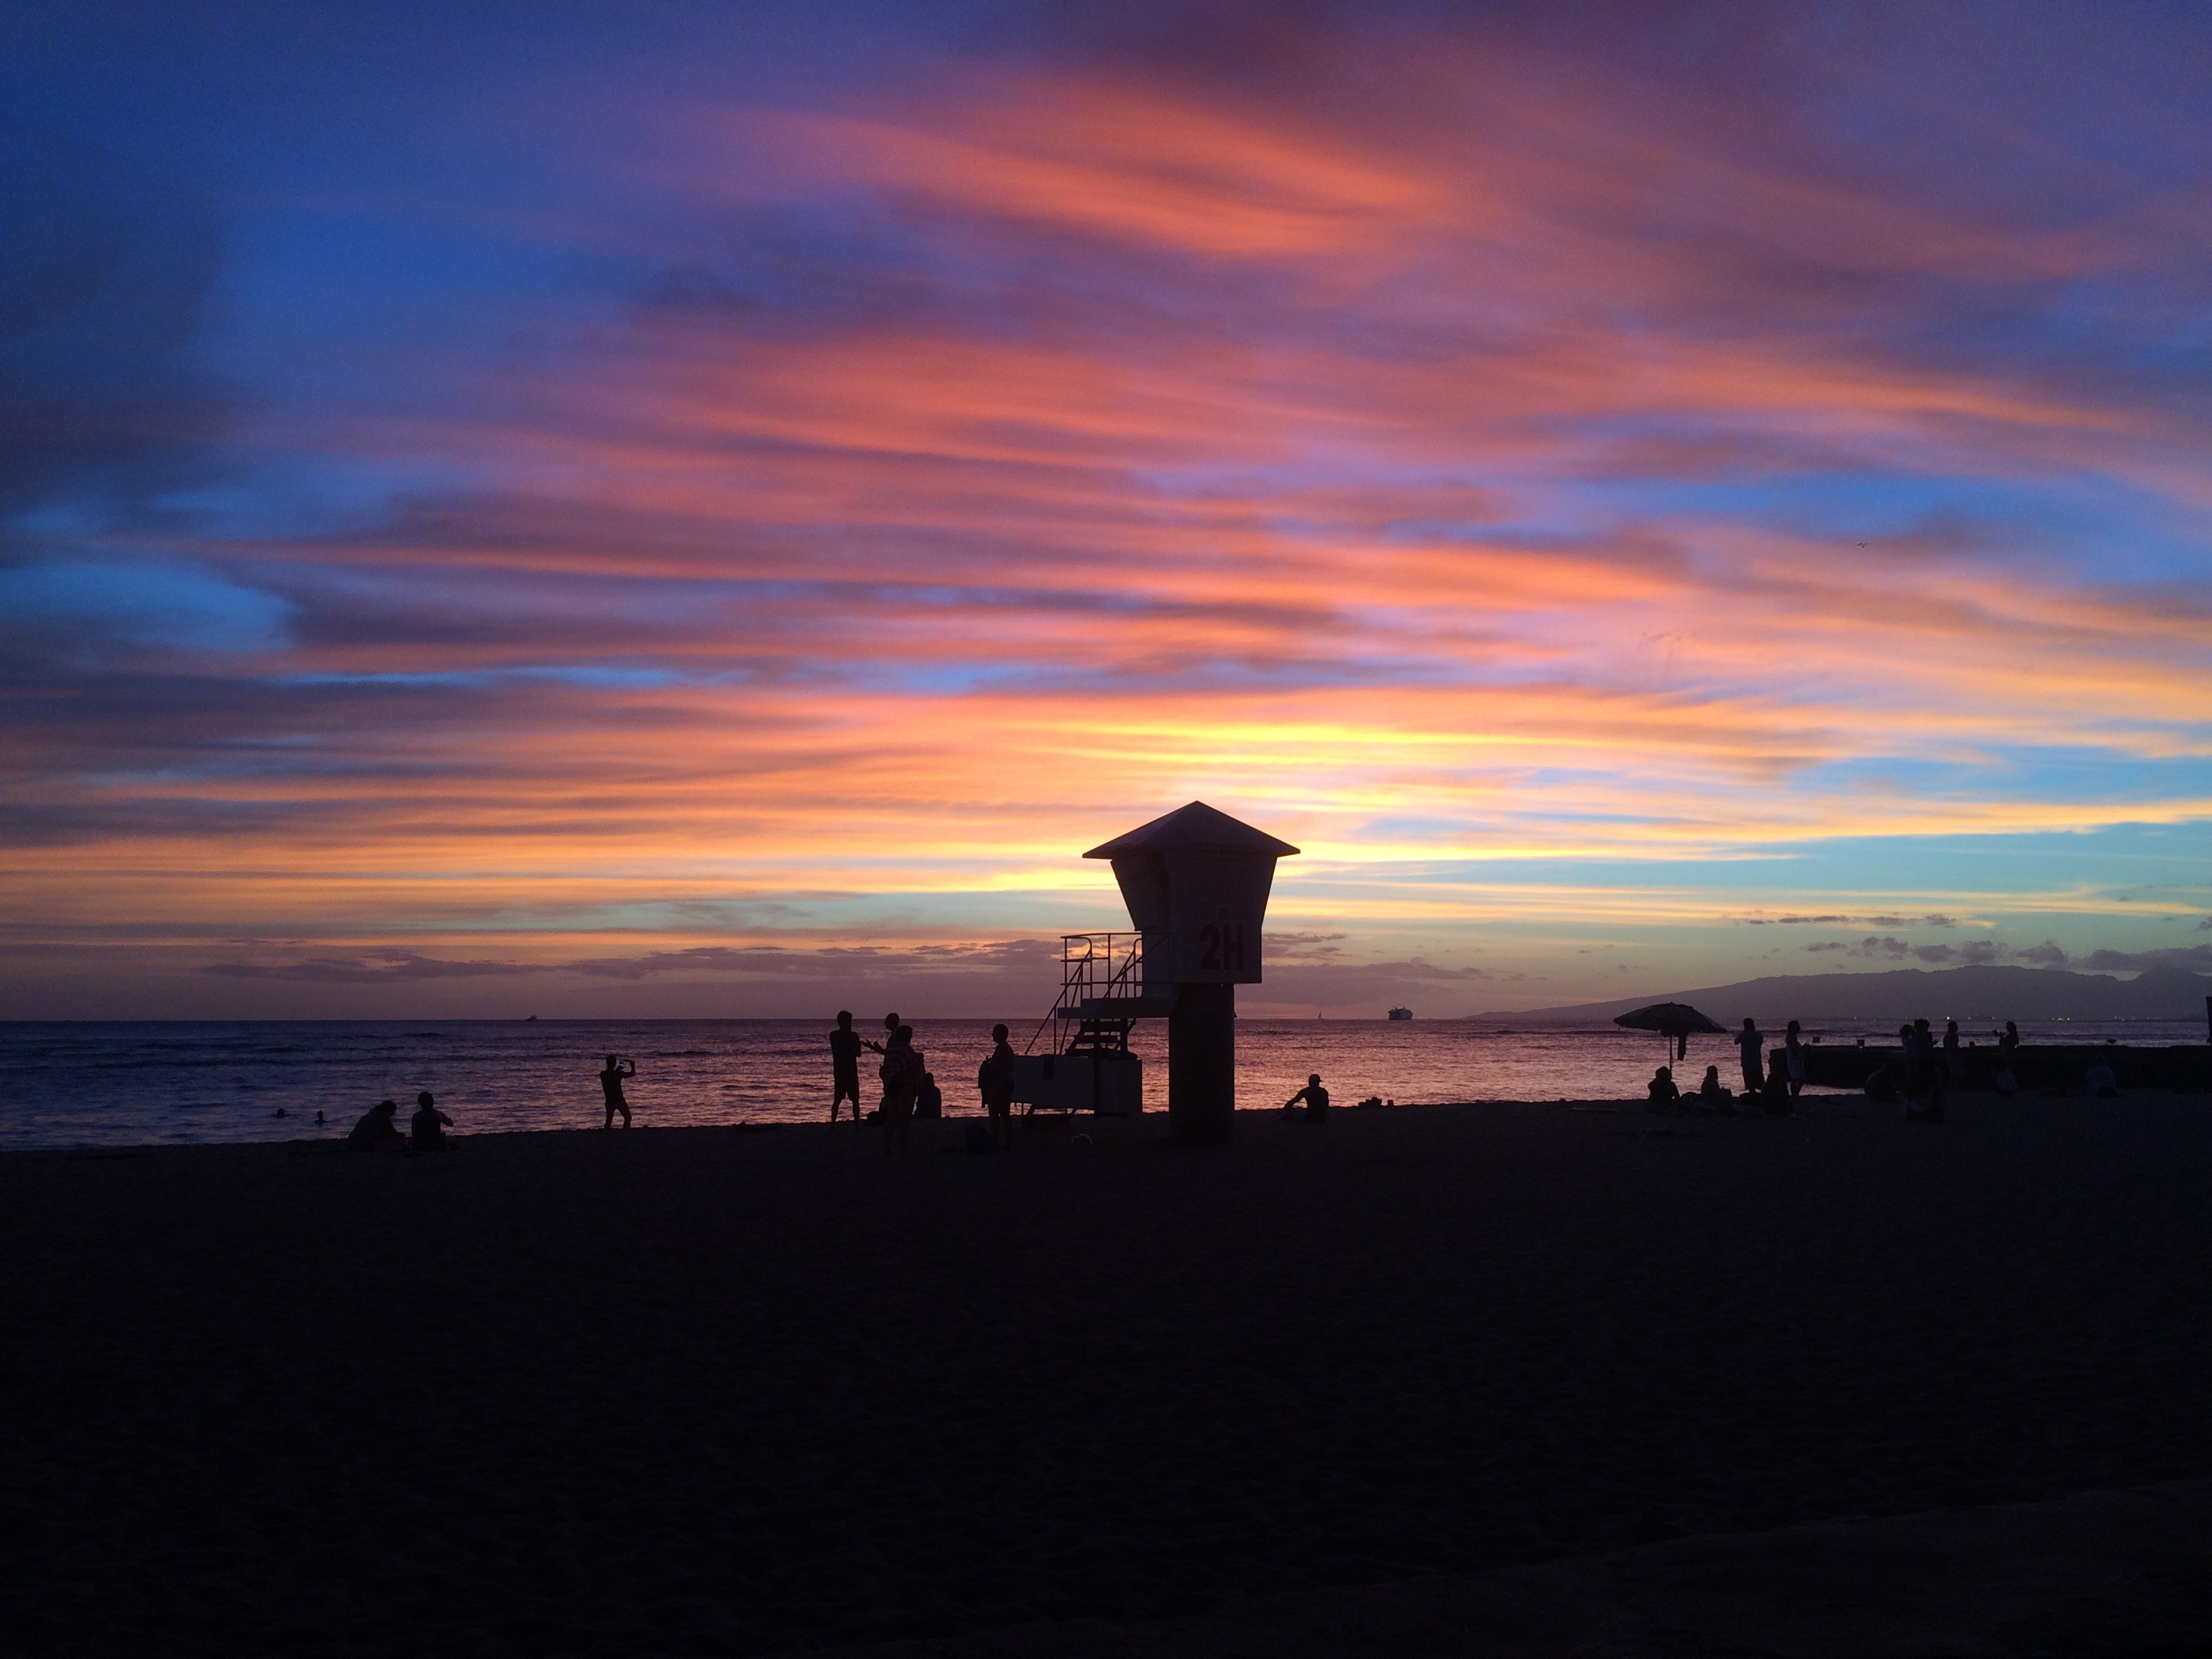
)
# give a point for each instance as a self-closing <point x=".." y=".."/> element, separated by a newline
<point x="1494" y="1380"/>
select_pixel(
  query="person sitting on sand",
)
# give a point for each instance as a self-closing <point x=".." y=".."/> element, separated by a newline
<point x="1662" y="1090"/>
<point x="1316" y="1103"/>
<point x="1774" y="1095"/>
<point x="610" y="1086"/>
<point x="428" y="1124"/>
<point x="378" y="1130"/>
<point x="1713" y="1095"/>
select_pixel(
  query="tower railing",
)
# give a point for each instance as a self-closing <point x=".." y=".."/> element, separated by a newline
<point x="1092" y="966"/>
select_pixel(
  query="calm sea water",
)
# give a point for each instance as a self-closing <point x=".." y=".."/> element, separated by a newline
<point x="102" y="1084"/>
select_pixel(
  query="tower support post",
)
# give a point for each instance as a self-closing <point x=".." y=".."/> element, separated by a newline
<point x="1202" y="1064"/>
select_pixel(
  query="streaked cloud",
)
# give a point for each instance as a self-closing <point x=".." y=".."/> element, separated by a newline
<point x="1454" y="446"/>
<point x="372" y="968"/>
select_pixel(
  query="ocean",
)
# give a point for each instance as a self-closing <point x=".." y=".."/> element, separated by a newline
<point x="102" y="1084"/>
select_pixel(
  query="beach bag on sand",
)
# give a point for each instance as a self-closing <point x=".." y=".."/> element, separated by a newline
<point x="2008" y="1085"/>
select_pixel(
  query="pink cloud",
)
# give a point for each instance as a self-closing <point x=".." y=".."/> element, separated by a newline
<point x="1010" y="448"/>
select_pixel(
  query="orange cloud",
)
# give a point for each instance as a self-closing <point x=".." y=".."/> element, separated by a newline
<point x="1465" y="475"/>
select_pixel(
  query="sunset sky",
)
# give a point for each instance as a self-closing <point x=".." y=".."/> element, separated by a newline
<point x="663" y="509"/>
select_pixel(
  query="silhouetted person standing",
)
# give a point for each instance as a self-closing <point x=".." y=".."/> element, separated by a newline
<point x="1793" y="1058"/>
<point x="1752" y="1047"/>
<point x="610" y="1086"/>
<point x="995" y="1077"/>
<point x="428" y="1124"/>
<point x="1938" y="1066"/>
<point x="1912" y="1078"/>
<point x="845" y="1066"/>
<point x="890" y="1032"/>
<point x="1912" y="1082"/>
<point x="901" y="1075"/>
<point x="1316" y="1103"/>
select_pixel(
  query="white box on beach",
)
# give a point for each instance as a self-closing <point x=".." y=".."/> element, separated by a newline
<point x="1108" y="1081"/>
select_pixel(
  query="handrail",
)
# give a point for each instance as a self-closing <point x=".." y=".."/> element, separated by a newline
<point x="1093" y="965"/>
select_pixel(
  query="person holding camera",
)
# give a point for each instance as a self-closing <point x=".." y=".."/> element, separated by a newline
<point x="611" y="1084"/>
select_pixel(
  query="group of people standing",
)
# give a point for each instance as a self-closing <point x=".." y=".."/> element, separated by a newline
<point x="909" y="1091"/>
<point x="909" y="1087"/>
<point x="1926" y="1084"/>
<point x="1922" y="1076"/>
<point x="1924" y="1072"/>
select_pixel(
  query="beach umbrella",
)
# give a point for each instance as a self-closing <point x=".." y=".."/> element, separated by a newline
<point x="1673" y="1020"/>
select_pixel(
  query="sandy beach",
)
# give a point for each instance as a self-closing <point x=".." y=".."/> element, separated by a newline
<point x="1439" y="1379"/>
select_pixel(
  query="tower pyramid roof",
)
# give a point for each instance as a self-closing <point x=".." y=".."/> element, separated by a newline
<point x="1194" y="828"/>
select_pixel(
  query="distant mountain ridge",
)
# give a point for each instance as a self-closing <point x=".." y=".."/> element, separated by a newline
<point x="1911" y="992"/>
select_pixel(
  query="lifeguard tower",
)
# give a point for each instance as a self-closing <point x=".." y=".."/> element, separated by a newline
<point x="1196" y="883"/>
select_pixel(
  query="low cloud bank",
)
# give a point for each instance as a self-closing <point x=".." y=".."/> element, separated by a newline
<point x="1854" y="922"/>
<point x="846" y="962"/>
<point x="1302" y="969"/>
<point x="371" y="968"/>
<point x="1983" y="953"/>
